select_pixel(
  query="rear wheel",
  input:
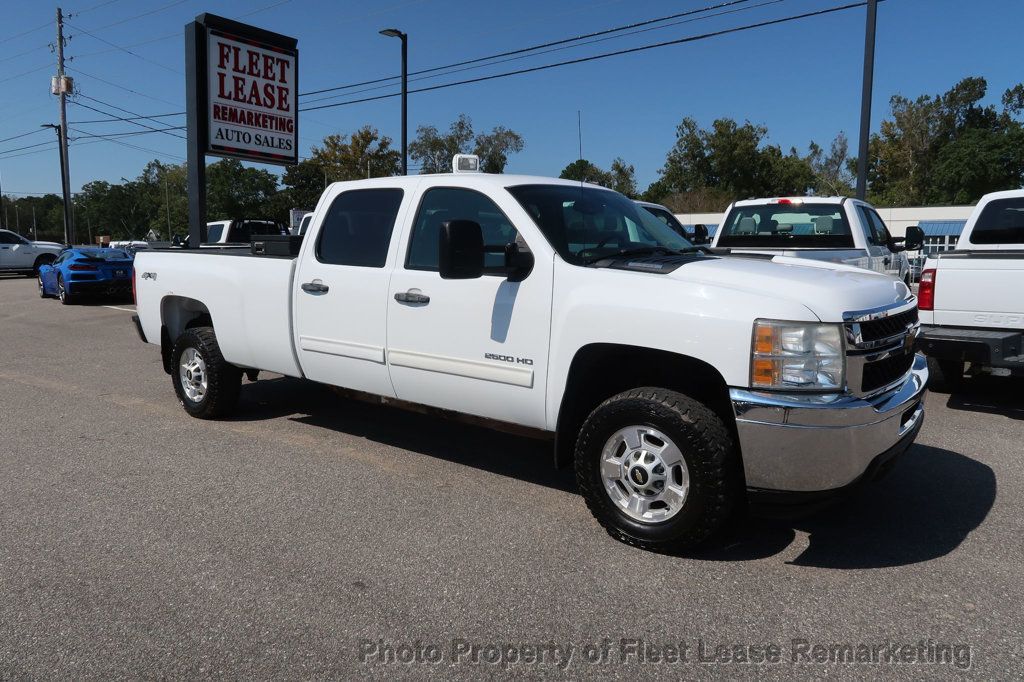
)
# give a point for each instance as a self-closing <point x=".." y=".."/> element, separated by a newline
<point x="657" y="469"/>
<point x="62" y="291"/>
<point x="207" y="385"/>
<point x="945" y="376"/>
<point x="42" y="289"/>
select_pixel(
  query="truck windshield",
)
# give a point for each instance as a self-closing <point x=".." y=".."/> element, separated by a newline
<point x="787" y="226"/>
<point x="582" y="223"/>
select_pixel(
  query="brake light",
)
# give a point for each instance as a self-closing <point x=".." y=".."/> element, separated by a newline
<point x="789" y="202"/>
<point x="82" y="268"/>
<point x="926" y="290"/>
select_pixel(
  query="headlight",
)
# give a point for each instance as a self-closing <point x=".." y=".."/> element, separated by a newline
<point x="797" y="356"/>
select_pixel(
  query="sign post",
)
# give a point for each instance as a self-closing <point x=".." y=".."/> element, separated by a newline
<point x="241" y="87"/>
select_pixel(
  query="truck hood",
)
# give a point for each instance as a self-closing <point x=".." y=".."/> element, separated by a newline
<point x="826" y="289"/>
<point x="48" y="245"/>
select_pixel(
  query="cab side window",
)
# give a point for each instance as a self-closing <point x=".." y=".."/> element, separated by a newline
<point x="878" y="233"/>
<point x="358" y="226"/>
<point x="441" y="204"/>
<point x="9" y="238"/>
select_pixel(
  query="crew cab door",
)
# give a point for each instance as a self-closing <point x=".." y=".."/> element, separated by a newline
<point x="476" y="346"/>
<point x="341" y="289"/>
<point x="7" y="243"/>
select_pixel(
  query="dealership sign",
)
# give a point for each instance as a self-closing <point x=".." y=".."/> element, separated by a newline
<point x="246" y="81"/>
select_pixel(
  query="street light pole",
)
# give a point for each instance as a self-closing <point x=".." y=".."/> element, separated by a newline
<point x="395" y="33"/>
<point x="865" y="101"/>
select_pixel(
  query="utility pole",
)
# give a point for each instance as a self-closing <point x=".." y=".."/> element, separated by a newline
<point x="62" y="86"/>
<point x="865" y="99"/>
<point x="5" y="221"/>
<point x="17" y="219"/>
<point x="34" y="233"/>
<point x="167" y="204"/>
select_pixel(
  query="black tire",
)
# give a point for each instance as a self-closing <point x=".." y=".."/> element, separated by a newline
<point x="224" y="380"/>
<point x="62" y="293"/>
<point x="42" y="291"/>
<point x="945" y="376"/>
<point x="707" y="447"/>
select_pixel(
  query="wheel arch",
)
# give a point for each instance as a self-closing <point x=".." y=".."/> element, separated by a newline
<point x="599" y="371"/>
<point x="178" y="313"/>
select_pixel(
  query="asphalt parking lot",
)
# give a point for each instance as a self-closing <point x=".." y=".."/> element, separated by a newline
<point x="310" y="532"/>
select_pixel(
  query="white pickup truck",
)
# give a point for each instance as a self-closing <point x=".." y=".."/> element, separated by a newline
<point x="836" y="229"/>
<point x="972" y="308"/>
<point x="681" y="384"/>
<point x="18" y="254"/>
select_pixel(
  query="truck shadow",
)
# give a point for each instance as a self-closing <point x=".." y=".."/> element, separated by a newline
<point x="922" y="510"/>
<point x="526" y="459"/>
<point x="929" y="503"/>
<point x="1002" y="396"/>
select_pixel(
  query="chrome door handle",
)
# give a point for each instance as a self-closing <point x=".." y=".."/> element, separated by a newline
<point x="411" y="297"/>
<point x="315" y="287"/>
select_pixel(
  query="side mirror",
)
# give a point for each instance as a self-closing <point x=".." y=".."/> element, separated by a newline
<point x="915" y="238"/>
<point x="700" y="234"/>
<point x="460" y="250"/>
<point x="518" y="261"/>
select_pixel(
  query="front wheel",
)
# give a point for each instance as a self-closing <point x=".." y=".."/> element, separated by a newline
<point x="207" y="385"/>
<point x="658" y="469"/>
<point x="42" y="289"/>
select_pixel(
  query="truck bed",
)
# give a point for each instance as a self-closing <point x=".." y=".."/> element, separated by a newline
<point x="248" y="297"/>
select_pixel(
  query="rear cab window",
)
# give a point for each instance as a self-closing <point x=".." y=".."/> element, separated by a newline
<point x="1000" y="222"/>
<point x="785" y="226"/>
<point x="357" y="228"/>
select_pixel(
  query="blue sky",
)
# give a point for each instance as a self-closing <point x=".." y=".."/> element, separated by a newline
<point x="802" y="80"/>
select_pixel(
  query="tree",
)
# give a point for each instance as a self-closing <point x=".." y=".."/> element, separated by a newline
<point x="234" y="191"/>
<point x="708" y="168"/>
<point x="434" y="150"/>
<point x="494" y="147"/>
<point x="623" y="178"/>
<point x="947" y="148"/>
<point x="832" y="173"/>
<point x="365" y="153"/>
<point x="585" y="171"/>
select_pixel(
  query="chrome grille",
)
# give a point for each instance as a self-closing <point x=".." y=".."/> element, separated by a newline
<point x="880" y="347"/>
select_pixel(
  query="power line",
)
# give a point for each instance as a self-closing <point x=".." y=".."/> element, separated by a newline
<point x="132" y="113"/>
<point x="642" y="48"/>
<point x="536" y="47"/>
<point x="96" y="6"/>
<point x="25" y="73"/>
<point x="18" y="149"/>
<point x="129" y="118"/>
<point x="15" y="137"/>
<point x="133" y="146"/>
<point x="26" y="32"/>
<point x="139" y="16"/>
<point x="124" y="49"/>
<point x="560" y="48"/>
<point x="122" y="87"/>
<point x="124" y="134"/>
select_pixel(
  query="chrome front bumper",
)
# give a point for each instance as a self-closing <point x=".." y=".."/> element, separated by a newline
<point x="820" y="443"/>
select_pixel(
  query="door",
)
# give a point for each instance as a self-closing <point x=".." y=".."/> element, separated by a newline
<point x="477" y="346"/>
<point x="879" y="240"/>
<point x="8" y="240"/>
<point x="342" y="288"/>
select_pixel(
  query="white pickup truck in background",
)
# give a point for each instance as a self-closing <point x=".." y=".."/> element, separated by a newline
<point x="836" y="229"/>
<point x="972" y="299"/>
<point x="681" y="384"/>
<point x="18" y="254"/>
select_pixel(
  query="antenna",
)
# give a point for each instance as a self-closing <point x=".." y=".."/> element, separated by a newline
<point x="579" y="131"/>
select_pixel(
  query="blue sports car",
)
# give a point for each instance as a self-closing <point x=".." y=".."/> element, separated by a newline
<point x="79" y="272"/>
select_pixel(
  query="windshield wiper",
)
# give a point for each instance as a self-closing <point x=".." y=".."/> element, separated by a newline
<point x="644" y="251"/>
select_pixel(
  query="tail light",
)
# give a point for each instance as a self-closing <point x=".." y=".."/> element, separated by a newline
<point x="926" y="290"/>
<point x="82" y="268"/>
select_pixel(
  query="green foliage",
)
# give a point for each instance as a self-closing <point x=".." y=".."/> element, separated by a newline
<point x="621" y="177"/>
<point x="948" y="148"/>
<point x="434" y="150"/>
